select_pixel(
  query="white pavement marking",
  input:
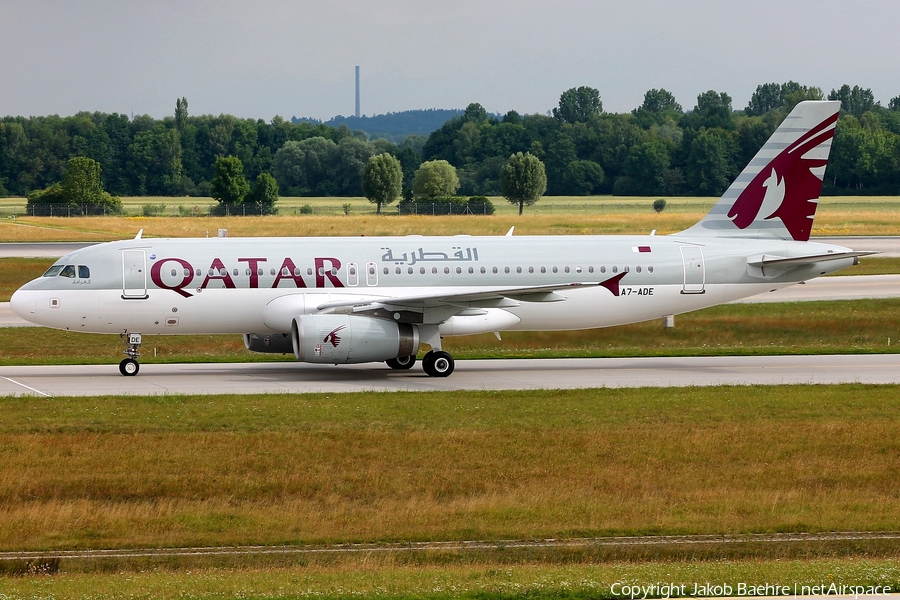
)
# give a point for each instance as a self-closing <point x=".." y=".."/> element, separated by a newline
<point x="27" y="387"/>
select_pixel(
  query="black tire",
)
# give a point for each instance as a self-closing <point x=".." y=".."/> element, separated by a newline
<point x="438" y="364"/>
<point x="129" y="367"/>
<point x="401" y="363"/>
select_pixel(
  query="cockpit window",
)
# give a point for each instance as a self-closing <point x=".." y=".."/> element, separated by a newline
<point x="53" y="271"/>
<point x="84" y="272"/>
<point x="68" y="271"/>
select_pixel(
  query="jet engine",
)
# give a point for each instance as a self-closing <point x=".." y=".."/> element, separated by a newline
<point x="274" y="343"/>
<point x="335" y="339"/>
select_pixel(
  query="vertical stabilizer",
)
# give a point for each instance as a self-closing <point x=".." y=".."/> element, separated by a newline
<point x="776" y="195"/>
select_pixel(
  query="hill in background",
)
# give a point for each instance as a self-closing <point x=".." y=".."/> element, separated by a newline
<point x="393" y="126"/>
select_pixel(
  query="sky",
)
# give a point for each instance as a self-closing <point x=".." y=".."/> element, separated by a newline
<point x="262" y="58"/>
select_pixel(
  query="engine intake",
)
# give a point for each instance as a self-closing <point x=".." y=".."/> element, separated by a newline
<point x="348" y="339"/>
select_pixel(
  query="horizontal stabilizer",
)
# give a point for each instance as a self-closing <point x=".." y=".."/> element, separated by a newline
<point x="783" y="261"/>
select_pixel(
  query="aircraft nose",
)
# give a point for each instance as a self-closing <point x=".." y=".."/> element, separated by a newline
<point x="23" y="304"/>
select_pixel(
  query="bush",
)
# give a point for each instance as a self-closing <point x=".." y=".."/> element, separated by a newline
<point x="347" y="207"/>
<point x="306" y="209"/>
<point x="53" y="201"/>
<point x="153" y="210"/>
<point x="191" y="211"/>
<point x="480" y="205"/>
<point x="659" y="205"/>
<point x="476" y="205"/>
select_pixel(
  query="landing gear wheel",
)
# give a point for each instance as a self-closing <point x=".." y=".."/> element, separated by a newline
<point x="129" y="367"/>
<point x="401" y="362"/>
<point x="438" y="363"/>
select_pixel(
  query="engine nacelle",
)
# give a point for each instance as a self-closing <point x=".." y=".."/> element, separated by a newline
<point x="347" y="339"/>
<point x="272" y="343"/>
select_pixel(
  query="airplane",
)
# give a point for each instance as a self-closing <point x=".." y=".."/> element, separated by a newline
<point x="341" y="300"/>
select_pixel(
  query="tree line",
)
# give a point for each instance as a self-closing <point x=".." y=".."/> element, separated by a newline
<point x="656" y="149"/>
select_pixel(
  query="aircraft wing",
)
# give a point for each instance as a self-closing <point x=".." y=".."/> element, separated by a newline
<point x="489" y="298"/>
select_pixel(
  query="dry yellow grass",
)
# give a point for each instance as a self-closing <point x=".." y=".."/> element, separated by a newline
<point x="110" y="228"/>
<point x="836" y="216"/>
<point x="387" y="467"/>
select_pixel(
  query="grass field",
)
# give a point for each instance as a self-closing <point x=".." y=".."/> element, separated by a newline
<point x="284" y="469"/>
<point x="129" y="472"/>
<point x="374" y="578"/>
<point x="552" y="215"/>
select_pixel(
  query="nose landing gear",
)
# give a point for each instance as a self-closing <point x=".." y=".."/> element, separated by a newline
<point x="129" y="366"/>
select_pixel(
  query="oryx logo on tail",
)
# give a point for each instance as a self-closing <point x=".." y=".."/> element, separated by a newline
<point x="788" y="187"/>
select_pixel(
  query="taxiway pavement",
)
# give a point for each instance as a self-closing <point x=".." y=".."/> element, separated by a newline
<point x="505" y="374"/>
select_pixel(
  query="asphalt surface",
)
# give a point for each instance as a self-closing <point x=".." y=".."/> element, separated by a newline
<point x="508" y="374"/>
<point x="40" y="249"/>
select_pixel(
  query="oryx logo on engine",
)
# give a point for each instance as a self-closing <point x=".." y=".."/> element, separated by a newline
<point x="333" y="338"/>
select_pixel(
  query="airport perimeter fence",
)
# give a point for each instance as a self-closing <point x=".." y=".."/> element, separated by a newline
<point x="296" y="206"/>
<point x="291" y="209"/>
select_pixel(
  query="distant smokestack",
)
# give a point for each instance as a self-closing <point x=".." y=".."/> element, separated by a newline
<point x="357" y="91"/>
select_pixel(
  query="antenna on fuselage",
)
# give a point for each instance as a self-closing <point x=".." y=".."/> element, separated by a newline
<point x="139" y="234"/>
<point x="509" y="233"/>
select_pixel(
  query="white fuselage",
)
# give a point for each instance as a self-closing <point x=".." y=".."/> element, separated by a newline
<point x="244" y="285"/>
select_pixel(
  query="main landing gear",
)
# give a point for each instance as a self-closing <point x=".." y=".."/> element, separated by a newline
<point x="401" y="363"/>
<point x="436" y="363"/>
<point x="129" y="366"/>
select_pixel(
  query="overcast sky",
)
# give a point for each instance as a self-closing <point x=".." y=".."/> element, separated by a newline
<point x="261" y="58"/>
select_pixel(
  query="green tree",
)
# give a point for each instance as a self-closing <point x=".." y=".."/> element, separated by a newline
<point x="229" y="185"/>
<point x="81" y="191"/>
<point x="351" y="158"/>
<point x="264" y="193"/>
<point x="435" y="178"/>
<point x="894" y="103"/>
<point x="855" y="100"/>
<point x="661" y="100"/>
<point x="382" y="180"/>
<point x="647" y="165"/>
<point x="181" y="113"/>
<point x="81" y="183"/>
<point x="713" y="110"/>
<point x="709" y="166"/>
<point x="577" y="105"/>
<point x="409" y="162"/>
<point x="772" y="96"/>
<point x="523" y="180"/>
<point x="583" y="177"/>
<point x="306" y="167"/>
